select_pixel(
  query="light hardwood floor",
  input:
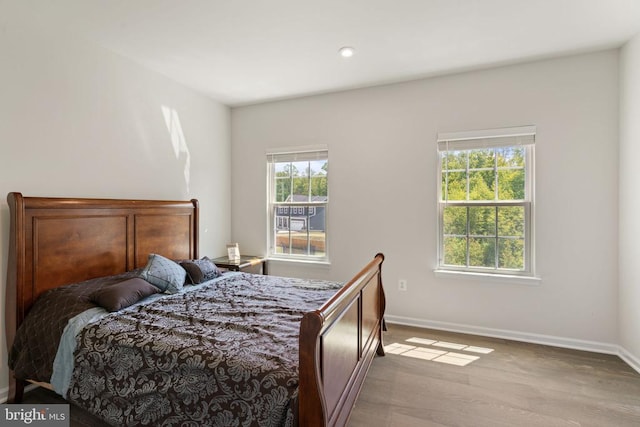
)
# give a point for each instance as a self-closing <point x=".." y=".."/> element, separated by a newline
<point x="517" y="384"/>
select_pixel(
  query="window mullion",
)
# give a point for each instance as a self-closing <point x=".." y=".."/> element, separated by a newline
<point x="495" y="174"/>
<point x="467" y="173"/>
<point x="496" y="255"/>
<point x="309" y="180"/>
<point x="289" y="210"/>
<point x="306" y="209"/>
<point x="497" y="241"/>
<point x="446" y="177"/>
<point x="290" y="182"/>
<point x="468" y="239"/>
<point x="308" y="231"/>
<point x="468" y="197"/>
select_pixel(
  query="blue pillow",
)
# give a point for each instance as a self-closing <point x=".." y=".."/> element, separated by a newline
<point x="166" y="275"/>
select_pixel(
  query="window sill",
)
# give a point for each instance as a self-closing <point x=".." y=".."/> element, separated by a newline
<point x="322" y="263"/>
<point x="487" y="277"/>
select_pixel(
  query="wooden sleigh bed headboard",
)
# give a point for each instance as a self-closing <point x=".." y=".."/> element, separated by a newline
<point x="58" y="241"/>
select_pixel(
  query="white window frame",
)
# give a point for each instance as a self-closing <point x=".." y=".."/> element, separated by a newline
<point x="294" y="154"/>
<point x="482" y="139"/>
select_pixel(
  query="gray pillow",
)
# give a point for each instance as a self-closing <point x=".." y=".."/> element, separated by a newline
<point x="200" y="270"/>
<point x="163" y="273"/>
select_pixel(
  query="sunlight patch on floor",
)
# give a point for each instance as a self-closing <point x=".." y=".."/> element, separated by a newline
<point x="437" y="354"/>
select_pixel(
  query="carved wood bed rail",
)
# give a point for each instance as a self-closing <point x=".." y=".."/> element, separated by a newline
<point x="57" y="241"/>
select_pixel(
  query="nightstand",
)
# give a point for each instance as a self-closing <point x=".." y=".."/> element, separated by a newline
<point x="247" y="264"/>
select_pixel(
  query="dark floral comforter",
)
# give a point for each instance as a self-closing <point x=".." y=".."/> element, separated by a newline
<point x="34" y="348"/>
<point x="224" y="354"/>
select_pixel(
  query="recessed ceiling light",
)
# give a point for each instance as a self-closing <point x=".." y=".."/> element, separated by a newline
<point x="346" y="51"/>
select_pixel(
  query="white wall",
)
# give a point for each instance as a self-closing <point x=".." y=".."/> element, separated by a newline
<point x="79" y="121"/>
<point x="382" y="190"/>
<point x="629" y="311"/>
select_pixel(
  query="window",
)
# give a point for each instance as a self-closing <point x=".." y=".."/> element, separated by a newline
<point x="485" y="200"/>
<point x="298" y="201"/>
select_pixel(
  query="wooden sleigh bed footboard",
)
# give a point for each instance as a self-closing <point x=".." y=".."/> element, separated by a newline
<point x="337" y="345"/>
<point x="58" y="241"/>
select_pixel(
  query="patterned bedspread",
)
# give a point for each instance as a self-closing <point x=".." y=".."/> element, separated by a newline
<point x="224" y="354"/>
<point x="34" y="349"/>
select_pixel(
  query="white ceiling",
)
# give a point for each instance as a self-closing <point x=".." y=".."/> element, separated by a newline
<point x="247" y="51"/>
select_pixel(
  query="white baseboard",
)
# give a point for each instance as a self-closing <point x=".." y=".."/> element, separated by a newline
<point x="629" y="359"/>
<point x="597" y="347"/>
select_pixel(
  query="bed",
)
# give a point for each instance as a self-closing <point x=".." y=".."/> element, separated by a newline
<point x="55" y="242"/>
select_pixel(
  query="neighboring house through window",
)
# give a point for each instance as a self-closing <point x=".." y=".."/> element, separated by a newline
<point x="298" y="201"/>
<point x="485" y="201"/>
